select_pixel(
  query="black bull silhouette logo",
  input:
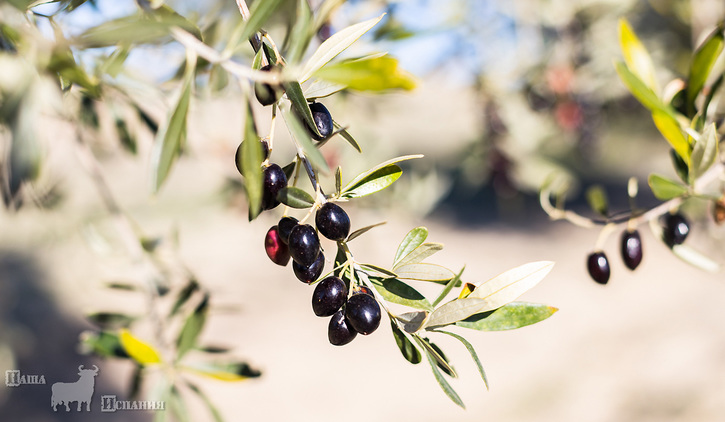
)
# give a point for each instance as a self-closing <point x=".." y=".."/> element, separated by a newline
<point x="80" y="391"/>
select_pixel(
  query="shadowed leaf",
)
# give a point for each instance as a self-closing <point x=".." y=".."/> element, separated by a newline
<point x="407" y="348"/>
<point x="396" y="291"/>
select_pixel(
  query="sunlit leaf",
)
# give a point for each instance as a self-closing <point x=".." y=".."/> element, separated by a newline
<point x="425" y="272"/>
<point x="472" y="352"/>
<point x="410" y="242"/>
<point x="491" y="294"/>
<point x="636" y="56"/>
<point x="139" y="351"/>
<point x="378" y="269"/>
<point x="168" y="142"/>
<point x="335" y="45"/>
<point x="419" y="254"/>
<point x="664" y="188"/>
<point x="295" y="197"/>
<point x="321" y="88"/>
<point x="702" y="62"/>
<point x="670" y="129"/>
<point x="375" y="179"/>
<point x="368" y="74"/>
<point x="508" y="317"/>
<point x="395" y="291"/>
<point x="640" y="90"/>
<point x="597" y="198"/>
<point x="705" y="151"/>
<point x="407" y="348"/>
<point x="192" y="328"/>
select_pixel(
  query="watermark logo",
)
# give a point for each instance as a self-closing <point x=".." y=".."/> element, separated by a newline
<point x="111" y="404"/>
<point x="13" y="378"/>
<point x="80" y="391"/>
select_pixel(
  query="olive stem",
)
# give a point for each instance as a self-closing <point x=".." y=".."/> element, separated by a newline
<point x="632" y="218"/>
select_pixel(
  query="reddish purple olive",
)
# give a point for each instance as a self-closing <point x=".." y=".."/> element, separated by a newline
<point x="286" y="224"/>
<point x="332" y="222"/>
<point x="273" y="180"/>
<point x="598" y="267"/>
<point x="310" y="273"/>
<point x="631" y="248"/>
<point x="304" y="244"/>
<point x="339" y="331"/>
<point x="363" y="313"/>
<point x="276" y="250"/>
<point x="323" y="121"/>
<point x="329" y="296"/>
<point x="675" y="230"/>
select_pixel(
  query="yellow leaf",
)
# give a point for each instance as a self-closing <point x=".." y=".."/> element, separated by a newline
<point x="636" y="55"/>
<point x="138" y="350"/>
<point x="671" y="130"/>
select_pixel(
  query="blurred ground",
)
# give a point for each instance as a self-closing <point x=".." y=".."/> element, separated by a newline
<point x="647" y="347"/>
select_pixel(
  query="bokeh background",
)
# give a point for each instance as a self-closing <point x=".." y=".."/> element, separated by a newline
<point x="508" y="92"/>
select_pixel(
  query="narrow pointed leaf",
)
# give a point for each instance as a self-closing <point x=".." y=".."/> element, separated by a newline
<point x="376" y="179"/>
<point x="252" y="157"/>
<point x="412" y="321"/>
<point x="436" y="353"/>
<point x="450" y="392"/>
<point x="294" y="93"/>
<point x="259" y="13"/>
<point x="377" y="73"/>
<point x="702" y="62"/>
<point x="378" y="269"/>
<point x="425" y="272"/>
<point x="664" y="188"/>
<point x="597" y="199"/>
<point x="321" y="89"/>
<point x="412" y="240"/>
<point x="407" y="348"/>
<point x="301" y="32"/>
<point x="419" y="254"/>
<point x="170" y="138"/>
<point x="295" y="197"/>
<point x="472" y="352"/>
<point x="396" y="291"/>
<point x="184" y="295"/>
<point x="705" y="151"/>
<point x="110" y="320"/>
<point x="640" y="90"/>
<point x="192" y="328"/>
<point x="346" y="136"/>
<point x="357" y="233"/>
<point x="508" y="317"/>
<point x="670" y="129"/>
<point x="455" y="280"/>
<point x="224" y="371"/>
<point x="636" y="56"/>
<point x="138" y="350"/>
<point x="335" y="45"/>
<point x="303" y="138"/>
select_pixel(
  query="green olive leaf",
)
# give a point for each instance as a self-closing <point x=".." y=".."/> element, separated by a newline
<point x="295" y="197"/>
<point x="665" y="189"/>
<point x="375" y="73"/>
<point x="636" y="55"/>
<point x="597" y="199"/>
<point x="375" y="179"/>
<point x="702" y="63"/>
<point x="410" y="242"/>
<point x="472" y="352"/>
<point x="335" y="45"/>
<point x="396" y="291"/>
<point x="407" y="348"/>
<point x="508" y="317"/>
<point x="705" y="151"/>
<point x="192" y="328"/>
<point x="418" y="254"/>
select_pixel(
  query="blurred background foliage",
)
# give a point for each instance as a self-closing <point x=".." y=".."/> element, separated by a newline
<point x="508" y="92"/>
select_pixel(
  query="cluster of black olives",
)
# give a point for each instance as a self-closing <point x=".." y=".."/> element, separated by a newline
<point x="359" y="313"/>
<point x="675" y="229"/>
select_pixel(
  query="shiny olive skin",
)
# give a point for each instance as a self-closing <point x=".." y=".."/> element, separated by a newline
<point x="363" y="313"/>
<point x="323" y="121"/>
<point x="277" y="251"/>
<point x="339" y="331"/>
<point x="329" y="296"/>
<point x="598" y="266"/>
<point x="332" y="222"/>
<point x="304" y="244"/>
<point x="273" y="180"/>
<point x="286" y="224"/>
<point x="631" y="248"/>
<point x="675" y="230"/>
<point x="310" y="273"/>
